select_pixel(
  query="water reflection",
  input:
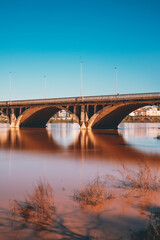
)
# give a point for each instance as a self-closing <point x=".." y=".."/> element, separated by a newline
<point x="104" y="145"/>
<point x="32" y="140"/>
<point x="142" y="136"/>
<point x="68" y="159"/>
<point x="64" y="133"/>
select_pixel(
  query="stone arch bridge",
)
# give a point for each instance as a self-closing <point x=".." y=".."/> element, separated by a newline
<point x="97" y="112"/>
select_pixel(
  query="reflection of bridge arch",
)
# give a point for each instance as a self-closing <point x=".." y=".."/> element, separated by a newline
<point x="93" y="145"/>
<point x="109" y="145"/>
<point x="28" y="139"/>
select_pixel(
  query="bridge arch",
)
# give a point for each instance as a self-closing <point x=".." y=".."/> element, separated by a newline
<point x="38" y="117"/>
<point x="110" y="116"/>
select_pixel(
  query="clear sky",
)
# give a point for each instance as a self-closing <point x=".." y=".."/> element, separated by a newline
<point x="51" y="37"/>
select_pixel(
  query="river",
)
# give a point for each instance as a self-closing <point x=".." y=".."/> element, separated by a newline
<point x="68" y="159"/>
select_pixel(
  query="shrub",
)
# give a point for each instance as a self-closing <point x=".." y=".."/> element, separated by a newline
<point x="37" y="208"/>
<point x="143" y="179"/>
<point x="93" y="194"/>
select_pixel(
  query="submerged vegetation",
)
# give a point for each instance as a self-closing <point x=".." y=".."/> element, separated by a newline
<point x="97" y="191"/>
<point x="141" y="179"/>
<point x="37" y="208"/>
<point x="38" y="211"/>
<point x="93" y="194"/>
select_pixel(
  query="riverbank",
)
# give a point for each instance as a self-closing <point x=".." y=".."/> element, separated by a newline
<point x="56" y="120"/>
<point x="143" y="119"/>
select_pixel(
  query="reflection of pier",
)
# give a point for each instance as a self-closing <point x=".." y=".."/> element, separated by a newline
<point x="109" y="146"/>
<point x="28" y="139"/>
<point x="106" y="146"/>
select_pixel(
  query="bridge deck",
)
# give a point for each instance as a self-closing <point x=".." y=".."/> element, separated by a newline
<point x="84" y="100"/>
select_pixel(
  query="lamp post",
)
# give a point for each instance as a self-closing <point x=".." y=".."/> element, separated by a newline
<point x="10" y="86"/>
<point x="45" y="86"/>
<point x="81" y="62"/>
<point x="115" y="80"/>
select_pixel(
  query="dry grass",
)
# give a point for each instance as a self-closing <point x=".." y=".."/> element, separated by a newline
<point x="152" y="231"/>
<point x="93" y="194"/>
<point x="143" y="179"/>
<point x="37" y="208"/>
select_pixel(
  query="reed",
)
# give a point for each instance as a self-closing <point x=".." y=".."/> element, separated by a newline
<point x="93" y="194"/>
<point x="141" y="179"/>
<point x="38" y="207"/>
<point x="152" y="231"/>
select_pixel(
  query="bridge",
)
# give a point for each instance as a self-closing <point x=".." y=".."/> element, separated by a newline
<point x="97" y="112"/>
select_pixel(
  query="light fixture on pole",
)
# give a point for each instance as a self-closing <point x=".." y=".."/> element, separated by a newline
<point x="115" y="80"/>
<point x="45" y="86"/>
<point x="10" y="86"/>
<point x="81" y="62"/>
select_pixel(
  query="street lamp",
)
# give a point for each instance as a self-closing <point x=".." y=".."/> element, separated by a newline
<point x="45" y="86"/>
<point x="10" y="86"/>
<point x="81" y="62"/>
<point x="115" y="80"/>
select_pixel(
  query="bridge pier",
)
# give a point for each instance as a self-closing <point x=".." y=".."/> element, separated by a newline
<point x="12" y="119"/>
<point x="82" y="118"/>
<point x="86" y="116"/>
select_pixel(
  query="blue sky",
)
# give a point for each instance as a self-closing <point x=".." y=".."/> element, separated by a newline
<point x="51" y="37"/>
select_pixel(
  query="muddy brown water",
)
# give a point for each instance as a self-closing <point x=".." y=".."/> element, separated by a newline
<point x="68" y="159"/>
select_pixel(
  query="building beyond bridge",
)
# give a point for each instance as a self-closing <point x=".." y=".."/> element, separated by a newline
<point x="97" y="112"/>
<point x="148" y="111"/>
